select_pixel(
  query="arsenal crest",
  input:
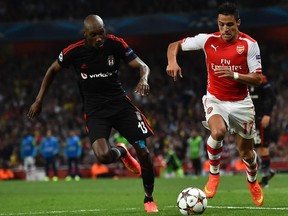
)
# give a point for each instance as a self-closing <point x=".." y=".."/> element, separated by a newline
<point x="110" y="60"/>
<point x="240" y="49"/>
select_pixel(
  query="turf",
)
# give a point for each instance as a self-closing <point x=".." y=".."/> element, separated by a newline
<point x="107" y="196"/>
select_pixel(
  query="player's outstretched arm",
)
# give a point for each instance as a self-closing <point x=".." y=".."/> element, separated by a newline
<point x="142" y="87"/>
<point x="173" y="69"/>
<point x="36" y="107"/>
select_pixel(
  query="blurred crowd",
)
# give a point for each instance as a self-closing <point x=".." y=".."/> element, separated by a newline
<point x="174" y="109"/>
<point x="33" y="10"/>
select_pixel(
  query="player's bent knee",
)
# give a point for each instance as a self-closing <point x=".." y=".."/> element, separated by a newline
<point x="218" y="133"/>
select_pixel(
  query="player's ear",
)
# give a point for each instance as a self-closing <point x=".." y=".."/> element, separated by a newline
<point x="238" y="22"/>
<point x="84" y="32"/>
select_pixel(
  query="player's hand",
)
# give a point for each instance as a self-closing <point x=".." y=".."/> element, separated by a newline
<point x="143" y="88"/>
<point x="35" y="110"/>
<point x="224" y="72"/>
<point x="174" y="70"/>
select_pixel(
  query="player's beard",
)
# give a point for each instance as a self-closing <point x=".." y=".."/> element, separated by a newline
<point x="229" y="36"/>
<point x="95" y="44"/>
<point x="99" y="45"/>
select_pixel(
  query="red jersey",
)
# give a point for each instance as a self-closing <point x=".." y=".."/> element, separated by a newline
<point x="242" y="56"/>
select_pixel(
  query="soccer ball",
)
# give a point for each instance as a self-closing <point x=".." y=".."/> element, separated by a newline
<point x="192" y="201"/>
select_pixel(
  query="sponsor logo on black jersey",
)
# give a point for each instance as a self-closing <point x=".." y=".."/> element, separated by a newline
<point x="99" y="75"/>
<point x="110" y="60"/>
<point x="84" y="76"/>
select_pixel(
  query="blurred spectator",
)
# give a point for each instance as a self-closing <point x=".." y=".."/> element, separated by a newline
<point x="49" y="148"/>
<point x="174" y="167"/>
<point x="195" y="151"/>
<point x="28" y="152"/>
<point x="73" y="150"/>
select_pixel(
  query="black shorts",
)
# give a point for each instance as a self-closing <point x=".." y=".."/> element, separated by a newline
<point x="121" y="115"/>
<point x="262" y="138"/>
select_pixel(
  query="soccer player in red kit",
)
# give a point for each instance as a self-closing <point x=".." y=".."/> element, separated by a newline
<point x="96" y="61"/>
<point x="233" y="63"/>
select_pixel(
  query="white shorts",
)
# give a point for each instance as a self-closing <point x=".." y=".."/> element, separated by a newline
<point x="238" y="115"/>
<point x="29" y="163"/>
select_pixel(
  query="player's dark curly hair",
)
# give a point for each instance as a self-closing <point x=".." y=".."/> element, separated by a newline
<point x="229" y="8"/>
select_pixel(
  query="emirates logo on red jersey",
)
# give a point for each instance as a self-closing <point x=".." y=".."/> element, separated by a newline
<point x="240" y="49"/>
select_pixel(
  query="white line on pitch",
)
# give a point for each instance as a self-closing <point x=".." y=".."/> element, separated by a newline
<point x="99" y="210"/>
<point x="243" y="207"/>
<point x="62" y="212"/>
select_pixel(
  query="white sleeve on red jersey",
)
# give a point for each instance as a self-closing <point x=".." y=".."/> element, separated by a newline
<point x="254" y="57"/>
<point x="194" y="43"/>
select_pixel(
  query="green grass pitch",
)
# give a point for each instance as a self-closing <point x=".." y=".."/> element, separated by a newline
<point x="106" y="196"/>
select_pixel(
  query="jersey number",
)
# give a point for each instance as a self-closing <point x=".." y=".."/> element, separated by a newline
<point x="248" y="127"/>
<point x="257" y="138"/>
<point x="142" y="126"/>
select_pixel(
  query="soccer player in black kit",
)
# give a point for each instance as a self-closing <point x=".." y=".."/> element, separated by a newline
<point x="96" y="60"/>
<point x="264" y="100"/>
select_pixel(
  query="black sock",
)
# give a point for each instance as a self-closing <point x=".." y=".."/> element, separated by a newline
<point x="148" y="199"/>
<point x="148" y="183"/>
<point x="122" y="151"/>
<point x="116" y="154"/>
<point x="265" y="165"/>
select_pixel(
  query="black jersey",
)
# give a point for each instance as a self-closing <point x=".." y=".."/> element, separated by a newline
<point x="97" y="70"/>
<point x="263" y="98"/>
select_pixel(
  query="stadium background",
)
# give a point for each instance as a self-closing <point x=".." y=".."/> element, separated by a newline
<point x="32" y="33"/>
